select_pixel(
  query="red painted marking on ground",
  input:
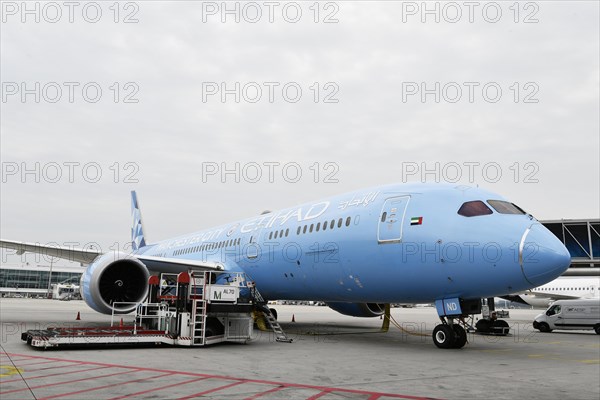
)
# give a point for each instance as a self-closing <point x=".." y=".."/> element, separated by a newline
<point x="73" y="381"/>
<point x="211" y="390"/>
<point x="28" y="378"/>
<point x="36" y="363"/>
<point x="159" y="388"/>
<point x="55" y="367"/>
<point x="238" y="380"/>
<point x="17" y="359"/>
<point x="103" y="387"/>
<point x="273" y="390"/>
<point x="318" y="395"/>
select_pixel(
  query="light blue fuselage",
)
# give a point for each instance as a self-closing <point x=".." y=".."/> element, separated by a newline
<point x="403" y="243"/>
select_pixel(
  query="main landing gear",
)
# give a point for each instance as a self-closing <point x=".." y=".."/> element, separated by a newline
<point x="449" y="334"/>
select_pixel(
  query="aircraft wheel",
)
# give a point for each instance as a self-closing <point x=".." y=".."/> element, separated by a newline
<point x="501" y="327"/>
<point x="444" y="337"/>
<point x="483" y="325"/>
<point x="597" y="329"/>
<point x="544" y="327"/>
<point x="461" y="336"/>
<point x="274" y="312"/>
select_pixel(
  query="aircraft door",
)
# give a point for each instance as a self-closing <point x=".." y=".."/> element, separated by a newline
<point x="391" y="219"/>
<point x="253" y="249"/>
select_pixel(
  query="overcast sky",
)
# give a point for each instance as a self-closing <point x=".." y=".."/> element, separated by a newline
<point x="386" y="93"/>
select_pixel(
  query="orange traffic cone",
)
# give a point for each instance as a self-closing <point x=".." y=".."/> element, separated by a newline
<point x="293" y="318"/>
<point x="78" y="316"/>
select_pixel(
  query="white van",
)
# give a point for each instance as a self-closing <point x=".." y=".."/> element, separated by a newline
<point x="570" y="314"/>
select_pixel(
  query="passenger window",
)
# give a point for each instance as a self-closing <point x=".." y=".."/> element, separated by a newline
<point x="332" y="224"/>
<point x="275" y="237"/>
<point x="298" y="230"/>
<point x="325" y="225"/>
<point x="474" y="209"/>
<point x="348" y="221"/>
<point x="318" y="226"/>
<point x="304" y="229"/>
<point x="287" y="232"/>
<point x="383" y="216"/>
<point x="270" y="235"/>
<point x="311" y="228"/>
<point x="504" y="207"/>
<point x="340" y="223"/>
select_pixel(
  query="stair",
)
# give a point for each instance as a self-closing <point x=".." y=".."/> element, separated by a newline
<point x="280" y="335"/>
<point x="261" y="304"/>
<point x="199" y="320"/>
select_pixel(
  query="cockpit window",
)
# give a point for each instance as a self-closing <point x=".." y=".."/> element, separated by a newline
<point x="504" y="207"/>
<point x="474" y="208"/>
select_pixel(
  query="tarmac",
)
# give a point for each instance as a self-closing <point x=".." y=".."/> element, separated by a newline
<point x="332" y="357"/>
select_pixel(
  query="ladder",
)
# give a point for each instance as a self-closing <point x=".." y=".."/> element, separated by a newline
<point x="199" y="322"/>
<point x="280" y="335"/>
<point x="261" y="304"/>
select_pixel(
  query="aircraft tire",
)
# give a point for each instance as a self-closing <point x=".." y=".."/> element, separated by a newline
<point x="501" y="327"/>
<point x="483" y="325"/>
<point x="597" y="329"/>
<point x="274" y="312"/>
<point x="444" y="337"/>
<point x="461" y="336"/>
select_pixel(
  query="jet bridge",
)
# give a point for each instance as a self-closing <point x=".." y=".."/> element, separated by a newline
<point x="194" y="308"/>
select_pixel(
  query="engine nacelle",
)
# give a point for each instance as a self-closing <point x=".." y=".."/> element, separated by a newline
<point x="359" y="309"/>
<point x="114" y="277"/>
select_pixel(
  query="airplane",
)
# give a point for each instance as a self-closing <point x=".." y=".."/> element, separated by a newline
<point x="562" y="288"/>
<point x="451" y="245"/>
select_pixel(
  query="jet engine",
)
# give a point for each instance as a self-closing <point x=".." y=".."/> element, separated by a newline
<point x="113" y="278"/>
<point x="359" y="309"/>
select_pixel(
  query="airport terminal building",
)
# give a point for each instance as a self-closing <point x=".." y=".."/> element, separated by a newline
<point x="33" y="280"/>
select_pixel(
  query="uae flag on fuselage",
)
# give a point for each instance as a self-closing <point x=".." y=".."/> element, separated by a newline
<point x="416" y="220"/>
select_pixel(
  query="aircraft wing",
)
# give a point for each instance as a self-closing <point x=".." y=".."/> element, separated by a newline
<point x="553" y="296"/>
<point x="86" y="256"/>
<point x="164" y="264"/>
<point x="83" y="256"/>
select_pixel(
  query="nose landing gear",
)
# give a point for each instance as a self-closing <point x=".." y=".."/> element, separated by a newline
<point x="449" y="335"/>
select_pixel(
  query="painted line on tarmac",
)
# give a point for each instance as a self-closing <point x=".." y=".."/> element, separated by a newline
<point x="73" y="381"/>
<point x="159" y="388"/>
<point x="104" y="386"/>
<point x="322" y="390"/>
<point x="58" y="373"/>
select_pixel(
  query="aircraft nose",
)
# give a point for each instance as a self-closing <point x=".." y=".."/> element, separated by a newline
<point x="542" y="256"/>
